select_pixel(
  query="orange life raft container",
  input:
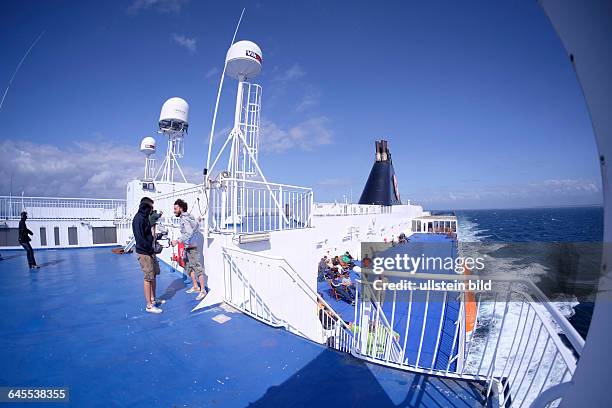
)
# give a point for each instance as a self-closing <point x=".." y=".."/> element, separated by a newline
<point x="470" y="307"/>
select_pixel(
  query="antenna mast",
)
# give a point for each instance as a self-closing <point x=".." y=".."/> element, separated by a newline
<point x="173" y="123"/>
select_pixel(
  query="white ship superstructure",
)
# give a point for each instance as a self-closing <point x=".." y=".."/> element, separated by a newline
<point x="261" y="242"/>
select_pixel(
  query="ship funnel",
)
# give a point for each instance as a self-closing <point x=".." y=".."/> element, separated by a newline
<point x="381" y="187"/>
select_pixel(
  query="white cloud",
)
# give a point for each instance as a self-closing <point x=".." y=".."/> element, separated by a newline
<point x="309" y="100"/>
<point x="291" y="74"/>
<point x="305" y="135"/>
<point x="567" y="186"/>
<point x="84" y="169"/>
<point x="187" y="42"/>
<point x="161" y="6"/>
<point x="542" y="191"/>
<point x="211" y="72"/>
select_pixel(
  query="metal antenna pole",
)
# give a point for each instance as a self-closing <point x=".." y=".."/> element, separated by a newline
<point x="19" y="66"/>
<point x="214" y="121"/>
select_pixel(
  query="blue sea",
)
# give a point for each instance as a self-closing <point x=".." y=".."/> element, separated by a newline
<point x="523" y="235"/>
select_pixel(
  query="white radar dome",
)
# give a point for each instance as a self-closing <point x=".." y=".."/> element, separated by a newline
<point x="174" y="115"/>
<point x="243" y="60"/>
<point x="147" y="146"/>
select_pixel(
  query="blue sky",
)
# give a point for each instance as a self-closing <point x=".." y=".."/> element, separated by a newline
<point x="477" y="99"/>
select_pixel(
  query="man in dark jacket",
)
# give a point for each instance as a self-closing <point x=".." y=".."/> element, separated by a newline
<point x="24" y="240"/>
<point x="145" y="251"/>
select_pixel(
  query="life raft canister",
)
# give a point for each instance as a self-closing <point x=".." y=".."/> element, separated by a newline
<point x="179" y="257"/>
<point x="470" y="306"/>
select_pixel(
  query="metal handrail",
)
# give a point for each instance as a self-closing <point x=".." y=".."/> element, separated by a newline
<point x="547" y="368"/>
<point x="19" y="198"/>
<point x="273" y="321"/>
<point x="572" y="334"/>
<point x="304" y="287"/>
<point x="62" y="208"/>
<point x="264" y="183"/>
<point x="381" y="314"/>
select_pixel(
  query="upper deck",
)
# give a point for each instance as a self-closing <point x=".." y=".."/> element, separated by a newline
<point x="79" y="322"/>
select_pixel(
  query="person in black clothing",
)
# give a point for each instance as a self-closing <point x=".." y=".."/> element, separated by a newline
<point x="24" y="240"/>
<point x="145" y="251"/>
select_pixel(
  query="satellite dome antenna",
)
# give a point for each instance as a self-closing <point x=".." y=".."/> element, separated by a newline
<point x="148" y="146"/>
<point x="173" y="123"/>
<point x="243" y="62"/>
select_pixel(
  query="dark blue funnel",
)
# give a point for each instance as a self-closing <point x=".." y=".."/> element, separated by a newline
<point x="381" y="187"/>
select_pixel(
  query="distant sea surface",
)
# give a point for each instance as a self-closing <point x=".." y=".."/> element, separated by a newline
<point x="536" y="225"/>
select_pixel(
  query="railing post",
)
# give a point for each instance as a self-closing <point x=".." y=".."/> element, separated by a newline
<point x="223" y="208"/>
<point x="281" y="209"/>
<point x="364" y="327"/>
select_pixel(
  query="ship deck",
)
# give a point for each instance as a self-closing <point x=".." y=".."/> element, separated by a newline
<point x="79" y="322"/>
<point x="431" y="245"/>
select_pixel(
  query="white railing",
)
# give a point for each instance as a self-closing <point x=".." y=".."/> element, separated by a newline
<point x="335" y="209"/>
<point x="194" y="196"/>
<point x="515" y="345"/>
<point x="248" y="206"/>
<point x="50" y="208"/>
<point x="270" y="290"/>
<point x="237" y="206"/>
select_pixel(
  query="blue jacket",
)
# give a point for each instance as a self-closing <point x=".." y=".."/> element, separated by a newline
<point x="141" y="227"/>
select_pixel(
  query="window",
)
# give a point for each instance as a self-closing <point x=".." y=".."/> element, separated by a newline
<point x="56" y="235"/>
<point x="9" y="236"/>
<point x="43" y="236"/>
<point x="73" y="238"/>
<point x="104" y="235"/>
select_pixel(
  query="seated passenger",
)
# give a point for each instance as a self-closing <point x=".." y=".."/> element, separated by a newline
<point x="329" y="274"/>
<point x="345" y="288"/>
<point x="328" y="321"/>
<point x="346" y="278"/>
<point x="322" y="269"/>
<point x="345" y="292"/>
<point x="348" y="286"/>
<point x="402" y="238"/>
<point x="336" y="266"/>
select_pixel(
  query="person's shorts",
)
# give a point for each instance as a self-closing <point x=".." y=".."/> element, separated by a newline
<point x="149" y="265"/>
<point x="193" y="262"/>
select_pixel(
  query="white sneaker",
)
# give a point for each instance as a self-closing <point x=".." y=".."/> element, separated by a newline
<point x="158" y="302"/>
<point x="192" y="290"/>
<point x="153" y="309"/>
<point x="201" y="295"/>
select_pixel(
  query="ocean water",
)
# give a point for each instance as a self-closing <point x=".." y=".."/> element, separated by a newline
<point x="524" y="238"/>
<point x="552" y="247"/>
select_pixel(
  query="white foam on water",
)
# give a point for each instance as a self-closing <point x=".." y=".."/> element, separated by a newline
<point x="490" y="318"/>
<point x="468" y="231"/>
<point x="565" y="303"/>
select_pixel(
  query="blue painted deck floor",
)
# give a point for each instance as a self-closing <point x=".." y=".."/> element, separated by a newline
<point x="79" y="322"/>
